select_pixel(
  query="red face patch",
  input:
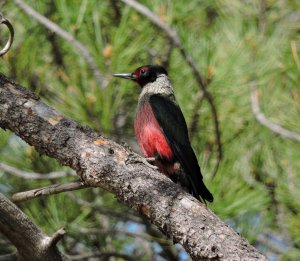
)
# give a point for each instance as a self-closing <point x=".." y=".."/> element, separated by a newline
<point x="141" y="73"/>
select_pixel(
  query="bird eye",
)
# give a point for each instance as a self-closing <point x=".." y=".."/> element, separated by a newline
<point x="143" y="71"/>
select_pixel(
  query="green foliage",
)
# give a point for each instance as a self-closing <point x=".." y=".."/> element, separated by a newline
<point x="236" y="43"/>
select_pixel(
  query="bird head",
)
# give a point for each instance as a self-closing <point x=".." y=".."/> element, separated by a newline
<point x="144" y="74"/>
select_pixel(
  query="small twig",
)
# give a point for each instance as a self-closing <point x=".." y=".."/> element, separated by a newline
<point x="11" y="35"/>
<point x="45" y="191"/>
<point x="68" y="37"/>
<point x="262" y="119"/>
<point x="58" y="235"/>
<point x="31" y="175"/>
<point x="175" y="39"/>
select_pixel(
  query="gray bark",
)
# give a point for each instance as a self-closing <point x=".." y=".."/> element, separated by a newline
<point x="101" y="162"/>
<point x="29" y="240"/>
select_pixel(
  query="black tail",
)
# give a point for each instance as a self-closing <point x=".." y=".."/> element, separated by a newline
<point x="199" y="191"/>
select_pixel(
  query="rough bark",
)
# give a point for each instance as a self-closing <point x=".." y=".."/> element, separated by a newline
<point x="29" y="240"/>
<point x="101" y="162"/>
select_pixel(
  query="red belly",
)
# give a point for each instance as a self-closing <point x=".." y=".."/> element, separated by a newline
<point x="152" y="140"/>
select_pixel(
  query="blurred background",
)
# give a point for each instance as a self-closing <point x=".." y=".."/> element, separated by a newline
<point x="241" y="48"/>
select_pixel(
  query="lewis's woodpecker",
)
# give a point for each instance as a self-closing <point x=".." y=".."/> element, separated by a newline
<point x="162" y="132"/>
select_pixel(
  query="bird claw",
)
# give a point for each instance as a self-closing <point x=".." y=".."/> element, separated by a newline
<point x="148" y="161"/>
<point x="134" y="158"/>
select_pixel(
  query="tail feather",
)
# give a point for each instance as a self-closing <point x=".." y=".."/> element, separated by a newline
<point x="199" y="191"/>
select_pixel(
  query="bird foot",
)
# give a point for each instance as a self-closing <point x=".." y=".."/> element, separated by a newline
<point x="134" y="158"/>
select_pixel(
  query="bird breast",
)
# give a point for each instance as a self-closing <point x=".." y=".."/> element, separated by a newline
<point x="150" y="136"/>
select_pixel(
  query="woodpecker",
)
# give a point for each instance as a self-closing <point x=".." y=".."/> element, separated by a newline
<point x="161" y="130"/>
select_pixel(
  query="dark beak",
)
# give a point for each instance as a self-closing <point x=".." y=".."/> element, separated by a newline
<point x="129" y="76"/>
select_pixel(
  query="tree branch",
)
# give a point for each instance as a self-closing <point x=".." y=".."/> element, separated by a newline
<point x="29" y="240"/>
<point x="104" y="163"/>
<point x="45" y="191"/>
<point x="262" y="119"/>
